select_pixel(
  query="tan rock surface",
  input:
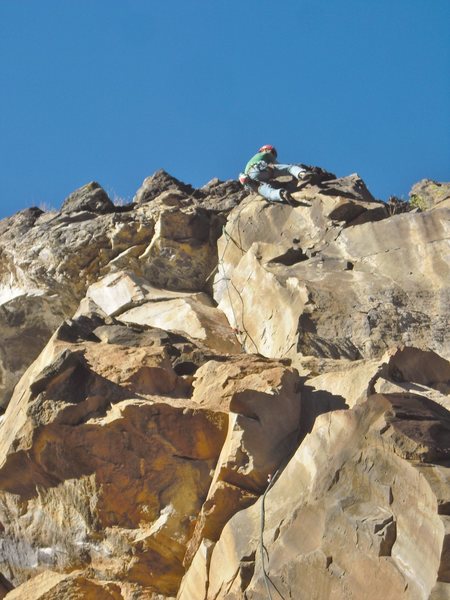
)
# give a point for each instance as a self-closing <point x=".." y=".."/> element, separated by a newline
<point x="190" y="316"/>
<point x="121" y="290"/>
<point x="48" y="260"/>
<point x="56" y="586"/>
<point x="428" y="195"/>
<point x="333" y="291"/>
<point x="182" y="253"/>
<point x="263" y="403"/>
<point x="350" y="516"/>
<point x="136" y="452"/>
<point x="135" y="302"/>
<point x="114" y="462"/>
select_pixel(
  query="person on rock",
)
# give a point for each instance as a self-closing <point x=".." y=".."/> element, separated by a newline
<point x="262" y="168"/>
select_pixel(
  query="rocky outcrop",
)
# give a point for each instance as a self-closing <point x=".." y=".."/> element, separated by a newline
<point x="345" y="289"/>
<point x="263" y="401"/>
<point x="215" y="195"/>
<point x="116" y="456"/>
<point x="158" y="183"/>
<point x="133" y="301"/>
<point x="288" y="437"/>
<point x="48" y="260"/>
<point x="91" y="197"/>
<point x="90" y="432"/>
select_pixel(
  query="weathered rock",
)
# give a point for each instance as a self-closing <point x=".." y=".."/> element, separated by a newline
<point x="114" y="461"/>
<point x="263" y="396"/>
<point x="57" y="256"/>
<point x="354" y="381"/>
<point x="47" y="266"/>
<point x="350" y="295"/>
<point x="21" y="221"/>
<point x="182" y="254"/>
<point x="220" y="196"/>
<point x="189" y="316"/>
<point x="54" y="586"/>
<point x="216" y="195"/>
<point x="133" y="301"/>
<point x="136" y="446"/>
<point x="158" y="183"/>
<point x="91" y="197"/>
<point x="26" y="322"/>
<point x="352" y="187"/>
<point x="195" y="584"/>
<point x="263" y="403"/>
<point x="360" y="520"/>
<point x="428" y="194"/>
<point x="119" y="291"/>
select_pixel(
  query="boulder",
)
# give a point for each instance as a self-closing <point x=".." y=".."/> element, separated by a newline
<point x="135" y="302"/>
<point x="121" y="290"/>
<point x="91" y="197"/>
<point x="158" y="183"/>
<point x="191" y="316"/>
<point x="351" y="187"/>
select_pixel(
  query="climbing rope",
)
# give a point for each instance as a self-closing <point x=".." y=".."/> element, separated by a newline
<point x="263" y="549"/>
<point x="227" y="280"/>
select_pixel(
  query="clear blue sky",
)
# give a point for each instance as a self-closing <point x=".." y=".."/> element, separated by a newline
<point x="112" y="90"/>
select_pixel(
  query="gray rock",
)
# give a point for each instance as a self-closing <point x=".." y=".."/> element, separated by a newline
<point x="91" y="197"/>
<point x="158" y="183"/>
<point x="352" y="187"/>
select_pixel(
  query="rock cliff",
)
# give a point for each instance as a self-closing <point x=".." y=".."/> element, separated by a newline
<point x="208" y="396"/>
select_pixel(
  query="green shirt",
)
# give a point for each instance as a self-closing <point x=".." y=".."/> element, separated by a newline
<point x="267" y="157"/>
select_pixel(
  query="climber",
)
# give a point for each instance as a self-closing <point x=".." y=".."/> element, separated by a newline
<point x="263" y="167"/>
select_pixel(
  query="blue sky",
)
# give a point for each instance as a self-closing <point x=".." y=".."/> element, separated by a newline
<point x="112" y="90"/>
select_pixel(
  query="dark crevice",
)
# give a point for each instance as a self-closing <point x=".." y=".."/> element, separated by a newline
<point x="290" y="257"/>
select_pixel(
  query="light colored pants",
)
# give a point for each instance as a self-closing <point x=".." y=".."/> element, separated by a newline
<point x="261" y="173"/>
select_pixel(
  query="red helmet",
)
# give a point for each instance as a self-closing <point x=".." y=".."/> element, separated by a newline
<point x="268" y="148"/>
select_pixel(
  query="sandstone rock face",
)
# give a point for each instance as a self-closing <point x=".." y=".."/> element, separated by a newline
<point x="133" y="301"/>
<point x="263" y="429"/>
<point x="215" y="195"/>
<point x="158" y="183"/>
<point x="350" y="502"/>
<point x="48" y="260"/>
<point x="26" y="319"/>
<point x="287" y="438"/>
<point x="116" y="456"/>
<point x="54" y="586"/>
<point x="105" y="469"/>
<point x="345" y="290"/>
<point x="181" y="255"/>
